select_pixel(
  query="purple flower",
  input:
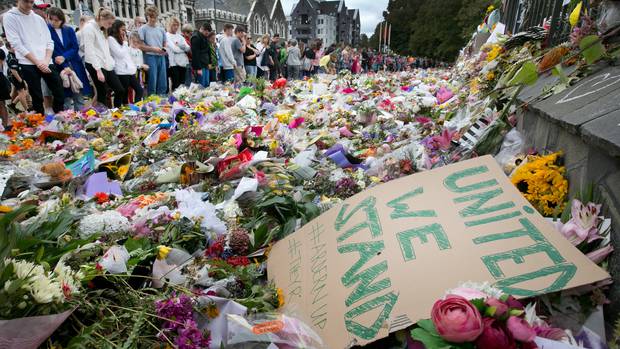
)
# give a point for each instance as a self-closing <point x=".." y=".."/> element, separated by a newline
<point x="177" y="309"/>
<point x="190" y="337"/>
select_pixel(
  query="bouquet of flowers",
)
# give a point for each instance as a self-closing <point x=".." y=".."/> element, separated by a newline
<point x="541" y="181"/>
<point x="468" y="318"/>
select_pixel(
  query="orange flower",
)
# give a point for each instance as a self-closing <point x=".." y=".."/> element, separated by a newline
<point x="27" y="143"/>
<point x="163" y="136"/>
<point x="14" y="148"/>
<point x="35" y="119"/>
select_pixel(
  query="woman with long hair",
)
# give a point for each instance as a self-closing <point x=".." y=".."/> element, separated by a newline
<point x="177" y="49"/>
<point x="99" y="61"/>
<point x="124" y="66"/>
<point x="67" y="58"/>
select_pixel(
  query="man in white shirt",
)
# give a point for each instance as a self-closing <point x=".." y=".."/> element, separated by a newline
<point x="30" y="37"/>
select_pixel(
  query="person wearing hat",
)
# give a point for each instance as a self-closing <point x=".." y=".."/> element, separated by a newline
<point x="30" y="37"/>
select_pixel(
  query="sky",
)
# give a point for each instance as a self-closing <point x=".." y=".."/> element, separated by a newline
<point x="370" y="11"/>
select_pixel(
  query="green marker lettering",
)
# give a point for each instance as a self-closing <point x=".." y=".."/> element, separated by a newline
<point x="566" y="270"/>
<point x="364" y="288"/>
<point x="387" y="301"/>
<point x="406" y="245"/>
<point x="450" y="181"/>
<point x="400" y="209"/>
<point x="482" y="198"/>
<point x="529" y="229"/>
<point x="517" y="256"/>
<point x="367" y="251"/>
<point x="372" y="219"/>
<point x="497" y="218"/>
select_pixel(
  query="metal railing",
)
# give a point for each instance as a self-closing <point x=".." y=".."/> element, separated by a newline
<point x="520" y="15"/>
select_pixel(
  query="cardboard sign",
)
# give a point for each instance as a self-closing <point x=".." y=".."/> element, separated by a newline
<point x="377" y="263"/>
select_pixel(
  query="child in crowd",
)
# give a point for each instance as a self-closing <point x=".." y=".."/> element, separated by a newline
<point x="138" y="59"/>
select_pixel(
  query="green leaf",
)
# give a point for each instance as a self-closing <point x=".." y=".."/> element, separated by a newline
<point x="490" y="311"/>
<point x="516" y="312"/>
<point x="272" y="201"/>
<point x="428" y="325"/>
<point x="526" y="75"/>
<point x="479" y="304"/>
<point x="592" y="48"/>
<point x="559" y="72"/>
<point x="133" y="244"/>
<point x="429" y="340"/>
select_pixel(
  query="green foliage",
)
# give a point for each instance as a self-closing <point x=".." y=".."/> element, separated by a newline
<point x="526" y="75"/>
<point x="416" y="29"/>
<point x="592" y="48"/>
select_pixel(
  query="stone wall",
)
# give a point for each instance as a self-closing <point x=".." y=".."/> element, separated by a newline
<point x="583" y="122"/>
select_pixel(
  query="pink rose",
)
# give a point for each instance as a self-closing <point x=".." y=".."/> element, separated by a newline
<point x="520" y="329"/>
<point x="495" y="336"/>
<point x="456" y="319"/>
<point x="500" y="307"/>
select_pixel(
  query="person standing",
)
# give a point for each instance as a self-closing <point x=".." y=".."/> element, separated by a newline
<point x="249" y="57"/>
<point x="187" y="31"/>
<point x="124" y="66"/>
<point x="29" y="35"/>
<point x="263" y="58"/>
<point x="99" y="61"/>
<point x="293" y="61"/>
<point x="226" y="53"/>
<point x="308" y="57"/>
<point x="177" y="50"/>
<point x="239" y="48"/>
<point x="66" y="56"/>
<point x="275" y="71"/>
<point x="201" y="54"/>
<point x="213" y="57"/>
<point x="153" y="45"/>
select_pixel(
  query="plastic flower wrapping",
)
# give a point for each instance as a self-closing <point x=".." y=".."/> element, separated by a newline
<point x="149" y="226"/>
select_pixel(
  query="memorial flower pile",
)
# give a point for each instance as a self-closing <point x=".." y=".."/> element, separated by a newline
<point x="151" y="225"/>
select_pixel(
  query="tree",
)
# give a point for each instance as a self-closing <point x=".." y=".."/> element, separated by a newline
<point x="431" y="28"/>
<point x="364" y="41"/>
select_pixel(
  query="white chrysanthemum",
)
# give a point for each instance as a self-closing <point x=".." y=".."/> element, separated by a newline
<point x="232" y="210"/>
<point x="44" y="290"/>
<point x="66" y="276"/>
<point x="106" y="222"/>
<point x="25" y="269"/>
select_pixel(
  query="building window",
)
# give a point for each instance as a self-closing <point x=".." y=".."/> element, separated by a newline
<point x="265" y="28"/>
<point x="305" y="20"/>
<point x="318" y="31"/>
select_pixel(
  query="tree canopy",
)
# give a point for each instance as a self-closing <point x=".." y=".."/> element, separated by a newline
<point x="431" y="28"/>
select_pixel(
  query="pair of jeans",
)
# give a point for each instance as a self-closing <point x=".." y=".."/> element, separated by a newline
<point x="251" y="70"/>
<point x="229" y="75"/>
<point x="131" y="81"/>
<point x="75" y="102"/>
<point x="293" y="72"/>
<point x="158" y="81"/>
<point x="212" y="76"/>
<point x="32" y="75"/>
<point x="205" y="78"/>
<point x="111" y="81"/>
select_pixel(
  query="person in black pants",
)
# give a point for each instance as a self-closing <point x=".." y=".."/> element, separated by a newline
<point x="124" y="66"/>
<point x="99" y="61"/>
<point x="33" y="46"/>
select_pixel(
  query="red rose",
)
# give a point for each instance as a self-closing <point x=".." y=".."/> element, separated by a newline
<point x="456" y="319"/>
<point x="495" y="336"/>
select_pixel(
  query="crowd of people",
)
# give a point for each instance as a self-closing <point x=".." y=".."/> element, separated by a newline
<point x="49" y="66"/>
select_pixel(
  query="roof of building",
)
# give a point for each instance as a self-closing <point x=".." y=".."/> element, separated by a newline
<point x="329" y="7"/>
